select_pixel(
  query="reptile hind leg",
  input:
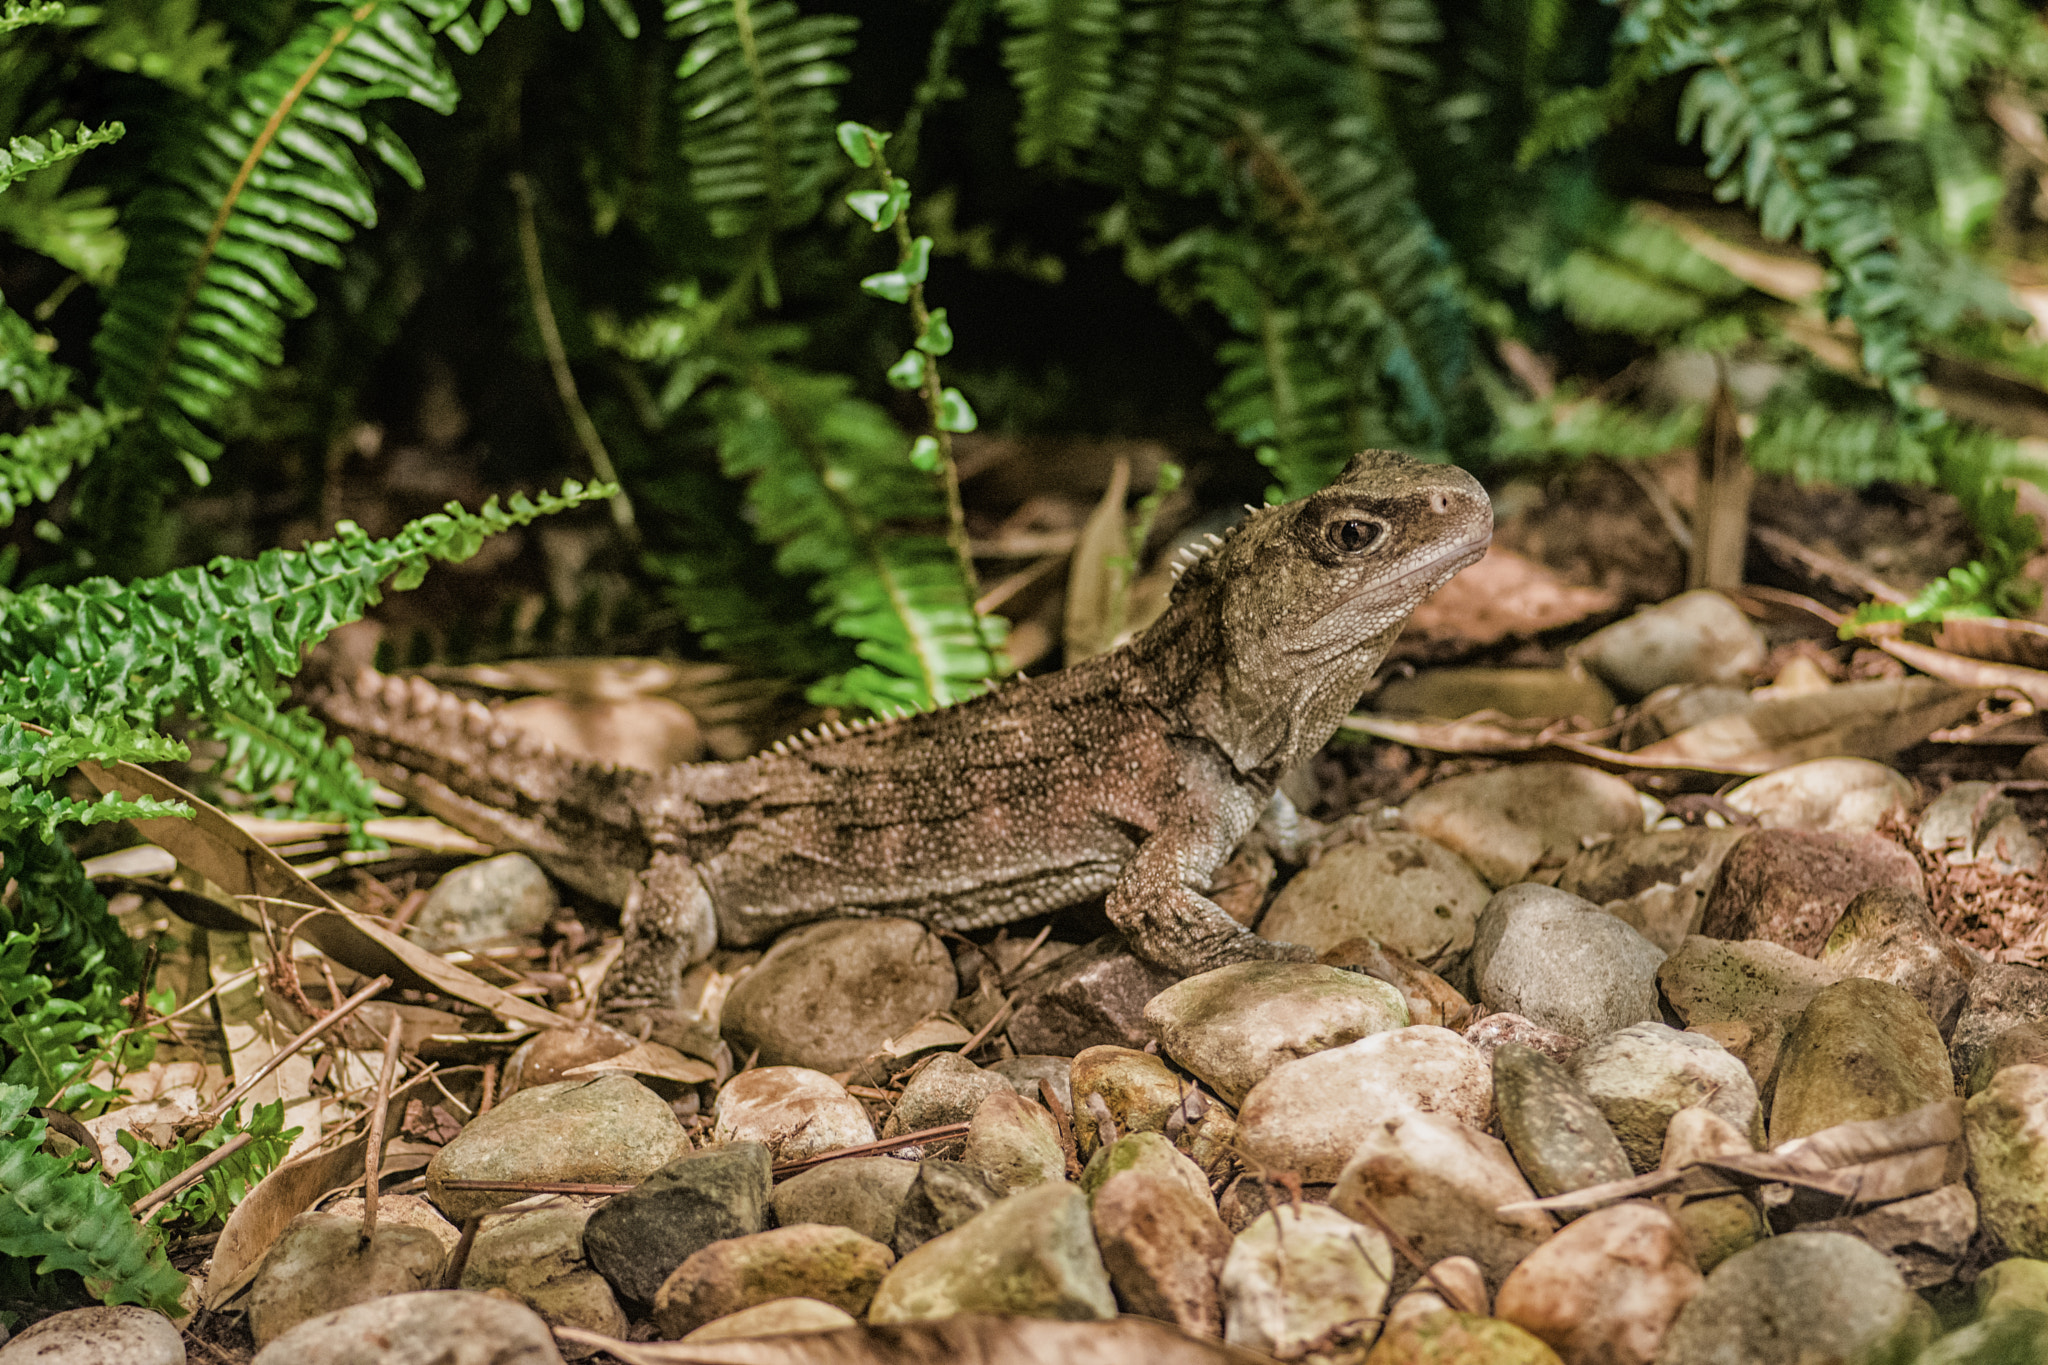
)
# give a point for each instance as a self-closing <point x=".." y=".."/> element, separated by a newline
<point x="670" y="926"/>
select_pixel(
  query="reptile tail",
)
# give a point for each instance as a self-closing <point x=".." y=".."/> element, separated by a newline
<point x="455" y="759"/>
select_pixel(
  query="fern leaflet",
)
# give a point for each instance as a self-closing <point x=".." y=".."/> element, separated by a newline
<point x="1059" y="56"/>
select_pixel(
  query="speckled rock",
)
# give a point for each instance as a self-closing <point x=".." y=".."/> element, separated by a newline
<point x="537" y="1255"/>
<point x="1495" y="1030"/>
<point x="1014" y="1143"/>
<point x="1528" y="817"/>
<point x="1695" y="637"/>
<point x="1133" y="1091"/>
<point x="946" y="1089"/>
<point x="124" y="1335"/>
<point x="1452" y="1338"/>
<point x="1557" y="1134"/>
<point x="777" y="1317"/>
<point x="945" y="1195"/>
<point x="794" y="1112"/>
<point x="1801" y="1299"/>
<point x="1455" y="1283"/>
<point x="1561" y="962"/>
<point x="1744" y="996"/>
<point x="858" y="1192"/>
<point x="836" y="1265"/>
<point x="1440" y="1184"/>
<point x="1305" y="1116"/>
<point x="1720" y="1225"/>
<point x="1024" y="1073"/>
<point x="1233" y="1025"/>
<point x="1163" y="1245"/>
<point x="1790" y="886"/>
<point x="828" y="994"/>
<point x="1430" y="999"/>
<point x="490" y="901"/>
<point x="1656" y="882"/>
<point x="1032" y="1254"/>
<point x="1605" y="1289"/>
<point x="2016" y="1284"/>
<point x="1861" y="1050"/>
<point x="1999" y="996"/>
<point x="1396" y="888"/>
<point x="433" y="1327"/>
<point x="319" y="1264"/>
<point x="1300" y="1276"/>
<point x="2019" y="1045"/>
<point x="411" y="1210"/>
<point x="1640" y="1076"/>
<point x="1151" y="1154"/>
<point x="1094" y="996"/>
<point x="2006" y="1125"/>
<point x="608" y="1129"/>
<point x="636" y="1239"/>
<point x="1890" y="935"/>
<point x="1834" y="795"/>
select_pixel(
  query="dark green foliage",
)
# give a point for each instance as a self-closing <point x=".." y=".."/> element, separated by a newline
<point x="247" y="193"/>
<point x="217" y="1193"/>
<point x="1060" y="55"/>
<point x="755" y="93"/>
<point x="62" y="1219"/>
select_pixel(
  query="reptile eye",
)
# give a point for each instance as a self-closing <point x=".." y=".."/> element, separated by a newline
<point x="1351" y="537"/>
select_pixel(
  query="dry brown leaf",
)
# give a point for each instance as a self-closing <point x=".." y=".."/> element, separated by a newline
<point x="286" y="1193"/>
<point x="651" y="1059"/>
<point x="1504" y="595"/>
<point x="214" y="846"/>
<point x="1099" y="574"/>
<point x="2030" y="683"/>
<point x="1869" y="1161"/>
<point x="1995" y="639"/>
<point x="967" y="1340"/>
<point x="1859" y="720"/>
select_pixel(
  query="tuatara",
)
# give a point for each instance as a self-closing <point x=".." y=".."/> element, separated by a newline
<point x="1134" y="773"/>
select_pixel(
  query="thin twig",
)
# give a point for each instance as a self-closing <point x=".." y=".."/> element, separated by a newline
<point x="292" y="1049"/>
<point x="558" y="360"/>
<point x="239" y="978"/>
<point x="191" y="1175"/>
<point x="373" y="1150"/>
<point x="451" y="1277"/>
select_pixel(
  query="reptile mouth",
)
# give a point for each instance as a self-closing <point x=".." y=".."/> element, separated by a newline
<point x="1449" y="562"/>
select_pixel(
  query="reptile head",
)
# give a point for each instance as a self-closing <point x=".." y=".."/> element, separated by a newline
<point x="1310" y="595"/>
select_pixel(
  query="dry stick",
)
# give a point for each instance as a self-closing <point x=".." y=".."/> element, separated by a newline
<point x="451" y="1278"/>
<point x="296" y="1045"/>
<point x="1408" y="1252"/>
<point x="373" y="1150"/>
<point x="238" y="979"/>
<point x="191" y="1175"/>
<point x="1062" y="1126"/>
<point x="558" y="360"/>
<point x="1000" y="1017"/>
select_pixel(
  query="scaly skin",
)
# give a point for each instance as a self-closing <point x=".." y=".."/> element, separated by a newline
<point x="1133" y="774"/>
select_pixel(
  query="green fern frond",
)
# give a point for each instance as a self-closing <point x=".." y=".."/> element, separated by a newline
<point x="1570" y="426"/>
<point x="1828" y="437"/>
<point x="29" y="373"/>
<point x="1382" y="36"/>
<point x="64" y="1219"/>
<point x="1182" y="69"/>
<point x="35" y="462"/>
<point x="223" y="1187"/>
<point x="78" y="944"/>
<point x="49" y="1038"/>
<point x="756" y="93"/>
<point x="1342" y="195"/>
<point x="1635" y="276"/>
<point x="1059" y="56"/>
<point x="1576" y="118"/>
<point x="164" y="40"/>
<point x="831" y="484"/>
<point x="267" y="748"/>
<point x="266" y="182"/>
<point x="74" y="228"/>
<point x="26" y="155"/>
<point x="18" y="14"/>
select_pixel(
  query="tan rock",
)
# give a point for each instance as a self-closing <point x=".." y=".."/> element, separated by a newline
<point x="1605" y="1288"/>
<point x="793" y="1112"/>
<point x="836" y="1265"/>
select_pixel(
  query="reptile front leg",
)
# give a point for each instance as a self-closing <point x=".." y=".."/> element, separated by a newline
<point x="670" y="925"/>
<point x="1158" y="904"/>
